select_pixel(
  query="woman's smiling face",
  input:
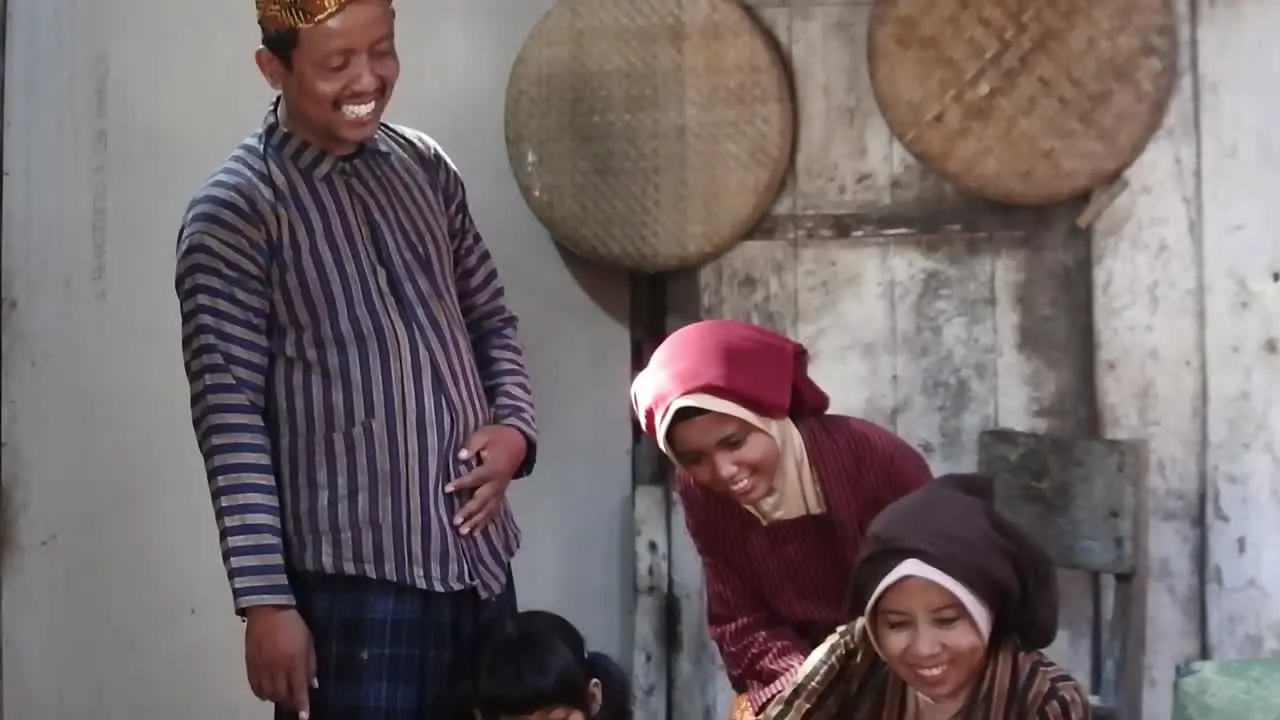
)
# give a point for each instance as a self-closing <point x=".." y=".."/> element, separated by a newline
<point x="928" y="639"/>
<point x="726" y="454"/>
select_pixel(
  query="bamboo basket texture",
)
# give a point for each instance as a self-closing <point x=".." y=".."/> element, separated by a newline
<point x="1027" y="102"/>
<point x="649" y="134"/>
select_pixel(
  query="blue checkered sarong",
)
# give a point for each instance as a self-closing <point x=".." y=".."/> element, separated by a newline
<point x="390" y="652"/>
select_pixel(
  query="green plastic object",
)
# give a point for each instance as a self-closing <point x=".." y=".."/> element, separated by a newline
<point x="1228" y="690"/>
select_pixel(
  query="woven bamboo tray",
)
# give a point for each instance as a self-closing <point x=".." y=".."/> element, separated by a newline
<point x="1028" y="102"/>
<point x="649" y="134"/>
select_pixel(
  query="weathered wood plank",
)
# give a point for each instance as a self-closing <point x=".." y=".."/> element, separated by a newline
<point x="844" y="295"/>
<point x="1147" y="322"/>
<point x="844" y="149"/>
<point x="650" y="656"/>
<point x="1045" y="323"/>
<point x="938" y="222"/>
<point x="1044" y="378"/>
<point x="945" y="347"/>
<point x="754" y="282"/>
<point x="914" y="185"/>
<point x="1239" y="155"/>
<point x="699" y="686"/>
<point x="1076" y="496"/>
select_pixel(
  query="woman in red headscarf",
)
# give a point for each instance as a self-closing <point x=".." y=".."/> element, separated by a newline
<point x="777" y="492"/>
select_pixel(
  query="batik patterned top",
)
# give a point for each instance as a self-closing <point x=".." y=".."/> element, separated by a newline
<point x="344" y="332"/>
<point x="844" y="679"/>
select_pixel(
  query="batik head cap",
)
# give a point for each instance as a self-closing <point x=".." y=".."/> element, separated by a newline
<point x="279" y="15"/>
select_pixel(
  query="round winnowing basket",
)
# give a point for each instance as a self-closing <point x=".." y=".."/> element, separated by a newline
<point x="1027" y="102"/>
<point x="649" y="134"/>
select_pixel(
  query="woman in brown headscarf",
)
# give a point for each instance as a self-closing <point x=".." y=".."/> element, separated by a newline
<point x="777" y="492"/>
<point x="954" y="603"/>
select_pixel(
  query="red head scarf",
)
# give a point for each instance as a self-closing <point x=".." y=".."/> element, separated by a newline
<point x="746" y="364"/>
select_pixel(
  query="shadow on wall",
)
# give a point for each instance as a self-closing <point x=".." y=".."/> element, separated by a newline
<point x="600" y="283"/>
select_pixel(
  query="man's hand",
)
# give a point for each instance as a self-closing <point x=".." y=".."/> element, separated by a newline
<point x="280" y="658"/>
<point x="499" y="451"/>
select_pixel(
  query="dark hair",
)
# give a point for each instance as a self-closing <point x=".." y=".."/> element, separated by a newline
<point x="615" y="687"/>
<point x="529" y="631"/>
<point x="556" y="625"/>
<point x="687" y="413"/>
<point x="281" y="43"/>
<point x="684" y="414"/>
<point x="524" y="669"/>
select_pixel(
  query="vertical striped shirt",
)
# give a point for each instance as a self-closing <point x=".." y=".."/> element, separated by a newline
<point x="344" y="331"/>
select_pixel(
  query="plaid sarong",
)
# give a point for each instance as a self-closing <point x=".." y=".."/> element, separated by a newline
<point x="390" y="652"/>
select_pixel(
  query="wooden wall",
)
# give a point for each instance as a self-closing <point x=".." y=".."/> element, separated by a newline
<point x="940" y="317"/>
<point x="1239" y="166"/>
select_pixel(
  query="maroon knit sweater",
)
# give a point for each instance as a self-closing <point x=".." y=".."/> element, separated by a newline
<point x="775" y="591"/>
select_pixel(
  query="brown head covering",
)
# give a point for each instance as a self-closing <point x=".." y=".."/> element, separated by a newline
<point x="952" y="525"/>
<point x="277" y="15"/>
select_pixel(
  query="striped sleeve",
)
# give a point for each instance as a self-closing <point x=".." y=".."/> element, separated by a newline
<point x="760" y="652"/>
<point x="1064" y="700"/>
<point x="224" y="295"/>
<point x="492" y="326"/>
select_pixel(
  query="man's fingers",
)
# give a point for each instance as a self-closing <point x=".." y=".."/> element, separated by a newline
<point x="253" y="669"/>
<point x="473" y="480"/>
<point x="300" y="687"/>
<point x="312" y="670"/>
<point x="480" y="519"/>
<point x="473" y="507"/>
<point x="278" y="687"/>
<point x="256" y="682"/>
<point x="475" y="445"/>
<point x="476" y="513"/>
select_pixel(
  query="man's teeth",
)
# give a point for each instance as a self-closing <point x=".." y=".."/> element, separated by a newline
<point x="359" y="112"/>
<point x="740" y="485"/>
<point x="932" y="671"/>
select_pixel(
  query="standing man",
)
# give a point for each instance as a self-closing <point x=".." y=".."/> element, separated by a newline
<point x="357" y="386"/>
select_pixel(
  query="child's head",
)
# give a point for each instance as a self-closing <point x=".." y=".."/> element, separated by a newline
<point x="527" y="671"/>
<point x="555" y="625"/>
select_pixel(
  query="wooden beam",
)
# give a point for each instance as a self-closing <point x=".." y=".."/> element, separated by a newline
<point x="651" y="513"/>
<point x="972" y="217"/>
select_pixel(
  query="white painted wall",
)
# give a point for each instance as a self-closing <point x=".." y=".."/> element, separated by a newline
<point x="115" y="606"/>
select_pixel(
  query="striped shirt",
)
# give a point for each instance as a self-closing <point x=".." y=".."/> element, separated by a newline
<point x="344" y="332"/>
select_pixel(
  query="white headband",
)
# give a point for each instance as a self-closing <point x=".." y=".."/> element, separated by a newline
<point x="974" y="605"/>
